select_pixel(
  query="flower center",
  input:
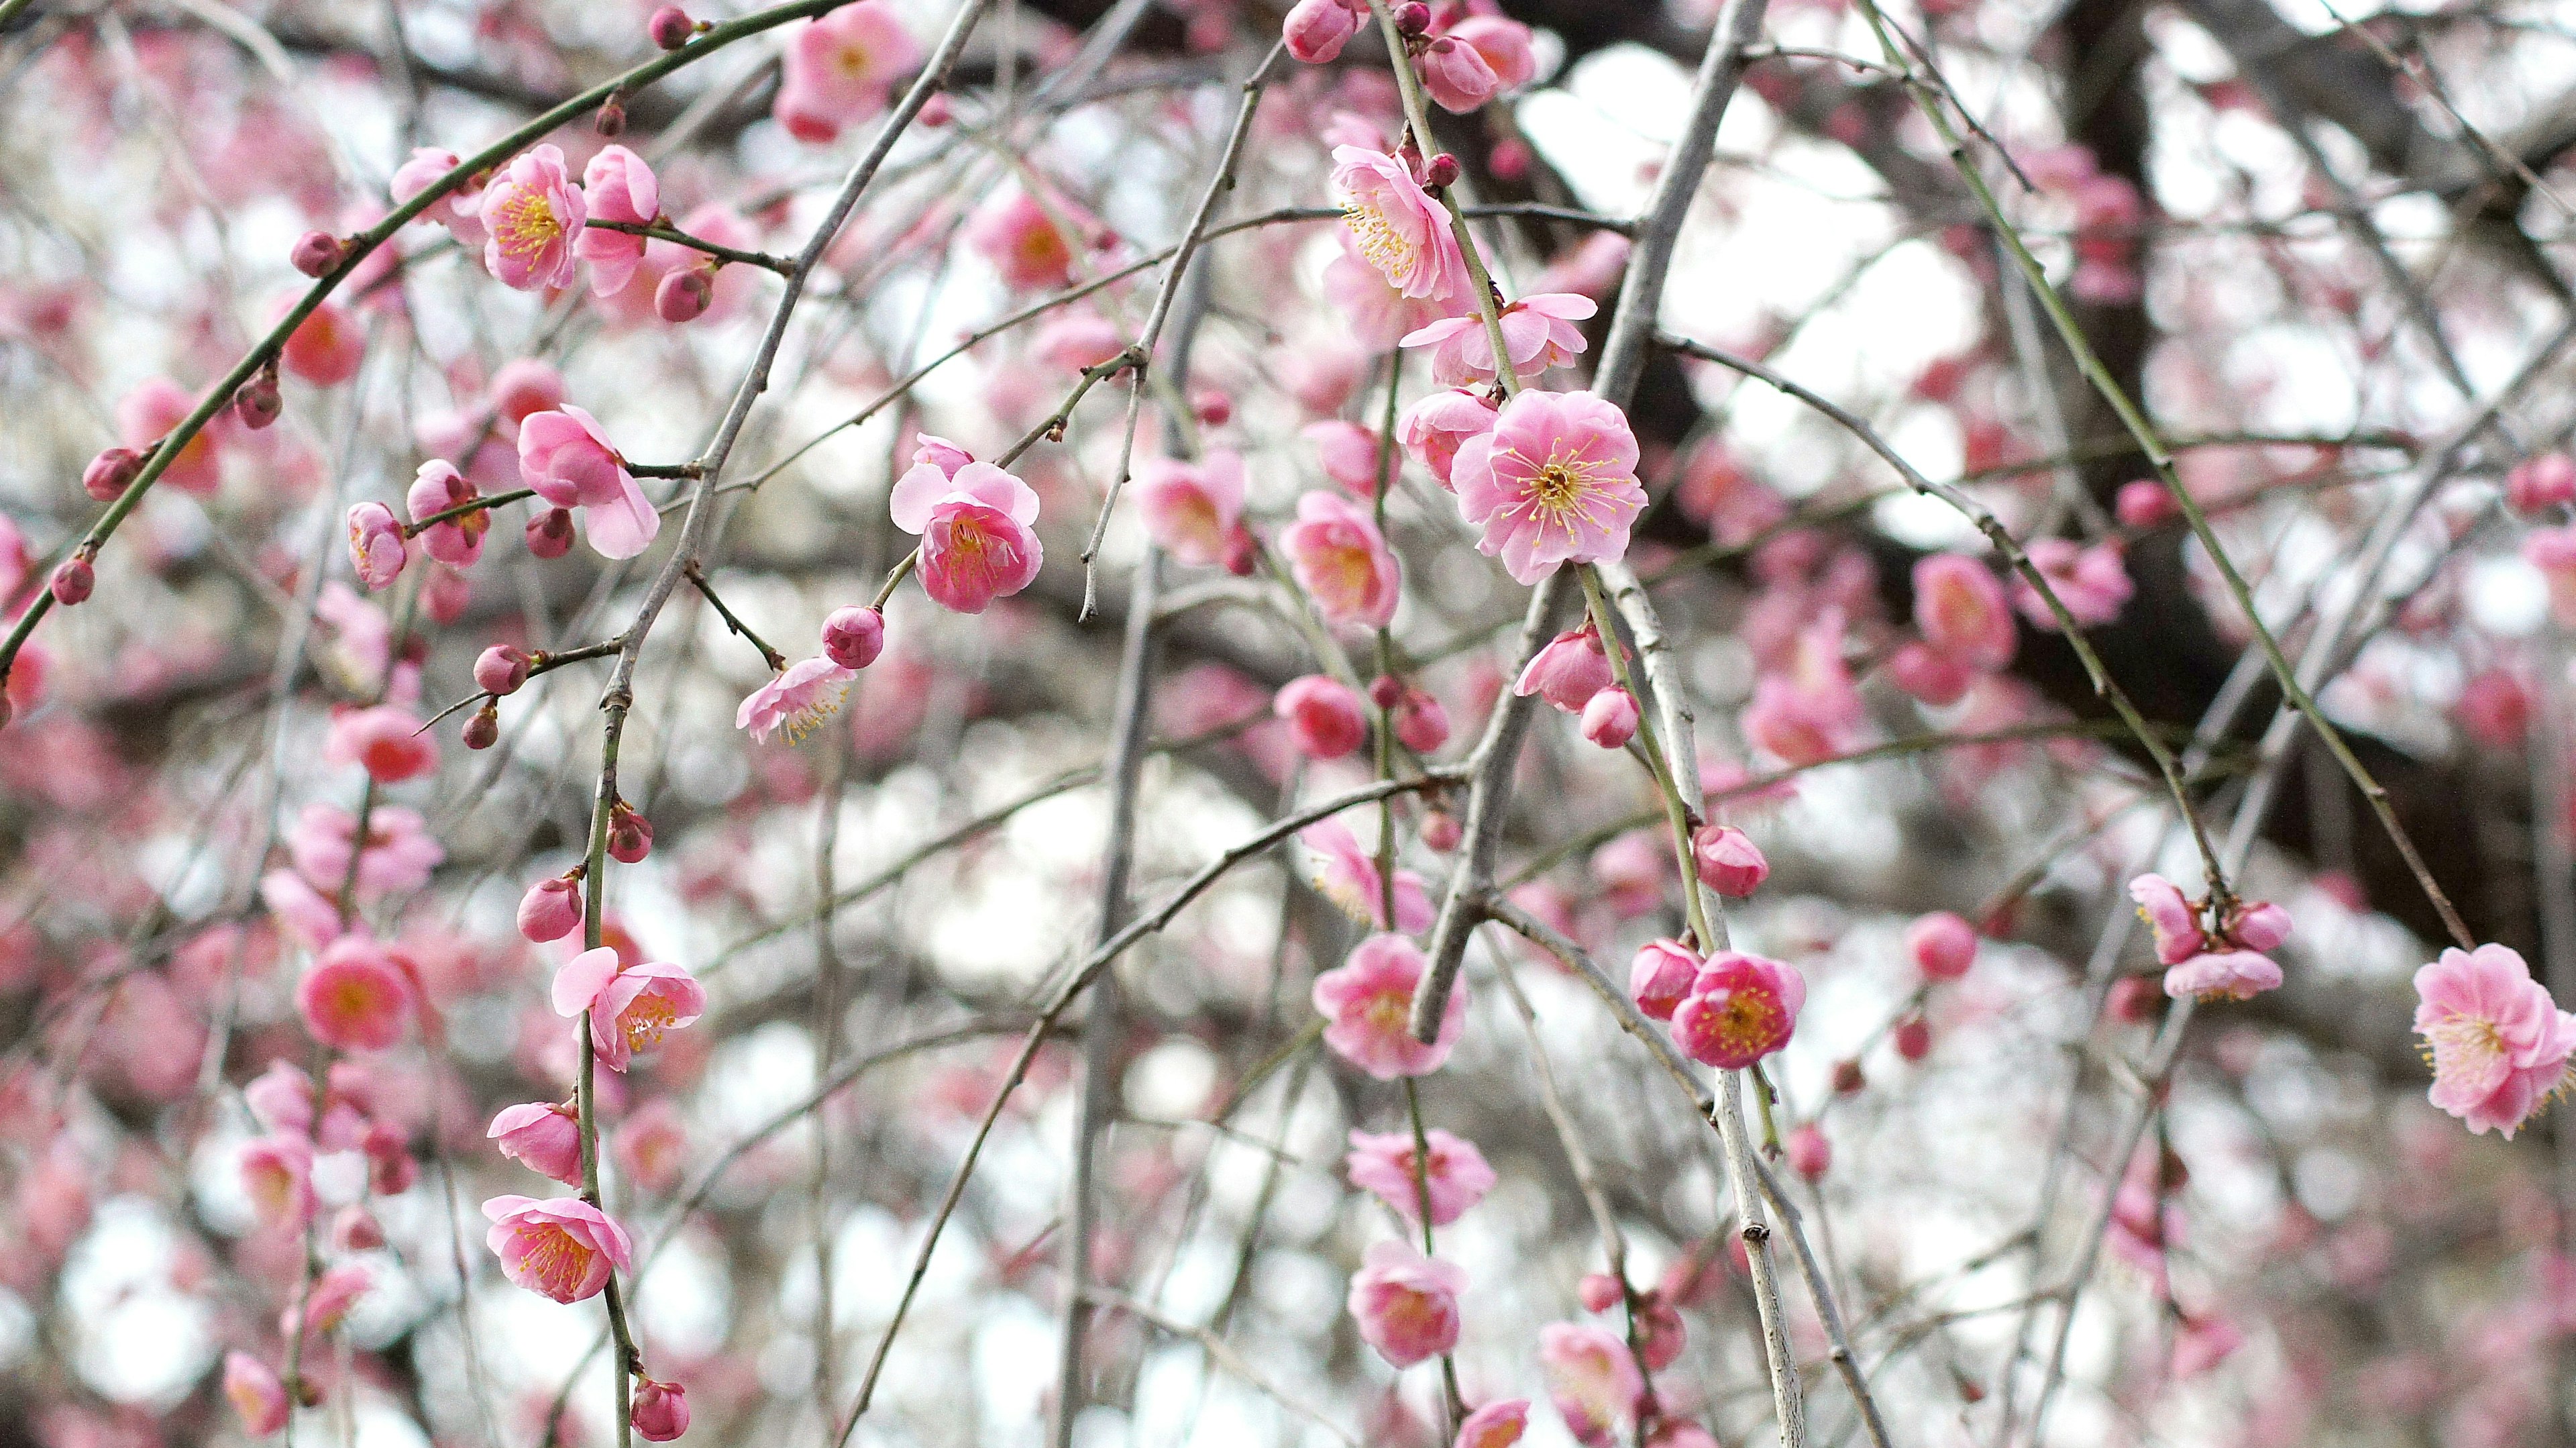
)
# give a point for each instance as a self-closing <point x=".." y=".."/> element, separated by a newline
<point x="852" y="60"/>
<point x="526" y="223"/>
<point x="2467" y="1045"/>
<point x="553" y="1257"/>
<point x="1380" y="244"/>
<point x="651" y="1015"/>
<point x="813" y="709"/>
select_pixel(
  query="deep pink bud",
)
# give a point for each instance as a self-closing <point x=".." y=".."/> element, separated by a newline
<point x="684" y="295"/>
<point x="1421" y="724"/>
<point x="670" y="27"/>
<point x="1441" y="170"/>
<point x="1943" y="945"/>
<point x="1913" y="1038"/>
<point x="1610" y="718"/>
<point x="483" y="730"/>
<point x="2145" y="504"/>
<point x="1412" y="18"/>
<point x="73" y="581"/>
<point x="1810" y="1155"/>
<point x="1324" y="716"/>
<point x="315" y="253"/>
<point x="1661" y="977"/>
<point x="550" y="533"/>
<point x="661" y="1411"/>
<point x="1440" y="830"/>
<point x="2538" y="484"/>
<point x="936" y="111"/>
<point x="1242" y="552"/>
<point x="356" y="1229"/>
<point x="1385" y="690"/>
<point x="1214" y="408"/>
<point x="853" y="637"/>
<point x="1728" y="861"/>
<point x="258" y="402"/>
<point x="551" y="909"/>
<point x="1600" y="1292"/>
<point x="111" y="473"/>
<point x="501" y="669"/>
<point x="630" y="835"/>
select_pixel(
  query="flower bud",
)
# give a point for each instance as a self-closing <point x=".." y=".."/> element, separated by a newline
<point x="1213" y="407"/>
<point x="73" y="581"/>
<point x="356" y="1229"/>
<point x="1913" y="1038"/>
<point x="501" y="669"/>
<point x="684" y="295"/>
<point x="1439" y="171"/>
<point x="1316" y="30"/>
<point x="1412" y="18"/>
<point x="483" y="728"/>
<point x="1599" y="1292"/>
<point x="670" y="27"/>
<point x="316" y="252"/>
<point x="1610" y="718"/>
<point x="550" y="533"/>
<point x="1421" y="724"/>
<point x="630" y="835"/>
<point x="854" y="637"/>
<point x="258" y="402"/>
<point x="1728" y="861"/>
<point x="377" y="551"/>
<point x="1385" y="690"/>
<point x="2135" y="999"/>
<point x="937" y="111"/>
<point x="1242" y="553"/>
<point x="611" y="119"/>
<point x="111" y="473"/>
<point x="660" y="1412"/>
<point x="1943" y="945"/>
<point x="1441" y="831"/>
<point x="551" y="909"/>
<point x="1848" y="1079"/>
<point x="1810" y="1155"/>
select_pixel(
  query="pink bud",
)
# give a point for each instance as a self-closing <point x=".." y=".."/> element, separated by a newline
<point x="1440" y="829"/>
<point x="356" y="1229"/>
<point x="1421" y="724"/>
<point x="258" y="402"/>
<point x="1600" y="1292"/>
<point x="684" y="295"/>
<point x="550" y="533"/>
<point x="2135" y="999"/>
<point x="1510" y="159"/>
<point x="2145" y="504"/>
<point x="1442" y="170"/>
<point x="315" y="253"/>
<point x="376" y="547"/>
<point x="1214" y="408"/>
<point x="551" y="909"/>
<point x="501" y="669"/>
<point x="1412" y="18"/>
<point x="1660" y="977"/>
<point x="2261" y="926"/>
<point x="1913" y="1038"/>
<point x="111" y="473"/>
<point x="2538" y="484"/>
<point x="630" y="835"/>
<point x="854" y="637"/>
<point x="1316" y="30"/>
<point x="1458" y="76"/>
<point x="1242" y="552"/>
<point x="483" y="730"/>
<point x="73" y="581"/>
<point x="1610" y="718"/>
<point x="670" y="27"/>
<point x="1727" y="859"/>
<point x="936" y="111"/>
<point x="1385" y="690"/>
<point x="661" y="1411"/>
<point x="1810" y="1155"/>
<point x="1943" y="945"/>
<point x="1324" y="717"/>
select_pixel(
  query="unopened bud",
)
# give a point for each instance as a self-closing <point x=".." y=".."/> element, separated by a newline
<point x="483" y="728"/>
<point x="500" y="669"/>
<point x="550" y="533"/>
<point x="1242" y="554"/>
<point x="611" y="120"/>
<point x="1412" y="18"/>
<point x="111" y="473"/>
<point x="630" y="835"/>
<point x="258" y="402"/>
<point x="670" y="27"/>
<point x="1440" y="171"/>
<point x="1440" y="831"/>
<point x="73" y="581"/>
<point x="936" y="111"/>
<point x="1386" y="690"/>
<point x="683" y="295"/>
<point x="1848" y="1079"/>
<point x="1214" y="408"/>
<point x="316" y="252"/>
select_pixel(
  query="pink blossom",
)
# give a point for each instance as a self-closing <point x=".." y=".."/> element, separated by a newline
<point x="1338" y="556"/>
<point x="1396" y="225"/>
<point x="2259" y="925"/>
<point x="1378" y="314"/>
<point x="1591" y="1377"/>
<point x="1960" y="610"/>
<point x="377" y="551"/>
<point x="1660" y="977"/>
<point x="542" y="1136"/>
<point x="1936" y="678"/>
<point x="327" y="348"/>
<point x="2092" y="582"/>
<point x="1433" y="429"/>
<point x="1811" y="712"/>
<point x="566" y="457"/>
<point x="1505" y="46"/>
<point x="1568" y="671"/>
<point x="532" y="215"/>
<point x="437" y="487"/>
<point x="1610" y="718"/>
<point x="1024" y="243"/>
<point x="1325" y="719"/>
<point x="838" y="70"/>
<point x="153" y="410"/>
<point x="327" y="1302"/>
<point x="1728" y="861"/>
<point x="2536" y="485"/>
<point x="561" y="1248"/>
<point x="1421" y="722"/>
<point x="1943" y="945"/>
<point x="630" y="1006"/>
<point x="801" y="696"/>
<point x="1810" y="1155"/>
<point x="551" y="909"/>
<point x="277" y="1175"/>
<point x="2202" y="1343"/>
<point x="1554" y="482"/>
<point x="1741" y="1008"/>
<point x="306" y="916"/>
<point x="1495" y="1425"/>
<point x="617" y="186"/>
<point x="660" y="1411"/>
<point x="522" y="386"/>
<point x="356" y="997"/>
<point x="1538" y="329"/>
<point x="2553" y="552"/>
<point x="1406" y="1304"/>
<point x="2223" y="975"/>
<point x="2171" y="916"/>
<point x="1456" y="1175"/>
<point x="257" y="1395"/>
<point x="1457" y="75"/>
<point x="976" y="542"/>
<point x="398" y="857"/>
<point x="386" y="741"/>
<point x="1349" y="878"/>
<point x="2499" y="1044"/>
<point x="1192" y="509"/>
<point x="1367" y="1001"/>
<point x="281" y="1099"/>
<point x="1316" y="30"/>
<point x="460" y="210"/>
<point x="2144" y="504"/>
<point x="1078" y="342"/>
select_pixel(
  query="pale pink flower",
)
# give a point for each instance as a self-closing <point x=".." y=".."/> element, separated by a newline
<point x="384" y="740"/>
<point x="660" y="1411"/>
<point x="1591" y="1377"/>
<point x="1367" y="1001"/>
<point x="2259" y="925"/>
<point x="257" y="1395"/>
<point x="1610" y="718"/>
<point x="1024" y="243"/>
<point x="1078" y="342"/>
<point x="1378" y="314"/>
<point x="356" y="997"/>
<point x="2499" y="1044"/>
<point x="2223" y="975"/>
<point x="1352" y="455"/>
<point x="1741" y="1008"/>
<point x="377" y="550"/>
<point x="1316" y="30"/>
<point x="1495" y="1425"/>
<point x="1433" y="428"/>
<point x="1456" y="1174"/>
<point x="801" y="696"/>
<point x="1936" y="678"/>
<point x="1325" y="720"/>
<point x="327" y="1302"/>
<point x="2171" y="916"/>
<point x="1349" y="878"/>
<point x="976" y="542"/>
<point x="561" y="1248"/>
<point x="277" y="1175"/>
<point x="1192" y="509"/>
<point x="653" y="1146"/>
<point x="281" y="1099"/>
<point x="839" y="70"/>
<point x="1338" y="556"/>
<point x="1505" y="46"/>
<point x="532" y="215"/>
<point x="459" y="210"/>
<point x="630" y="1006"/>
<point x="1568" y="671"/>
<point x="1406" y="1304"/>
<point x="1960" y="610"/>
<point x="2202" y="1343"/>
<point x="437" y="487"/>
<point x="1457" y="76"/>
<point x="522" y="386"/>
<point x="1943" y="945"/>
<point x="566" y="457"/>
<point x="542" y="1136"/>
<point x="1812" y="712"/>
<point x="1538" y="329"/>
<point x="398" y="857"/>
<point x="1396" y="225"/>
<point x="327" y="348"/>
<point x="1554" y="482"/>
<point x="617" y="186"/>
<point x="154" y="409"/>
<point x="2092" y="582"/>
<point x="301" y="911"/>
<point x="1660" y="978"/>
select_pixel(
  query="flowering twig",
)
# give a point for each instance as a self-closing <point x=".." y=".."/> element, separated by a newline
<point x="762" y="259"/>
